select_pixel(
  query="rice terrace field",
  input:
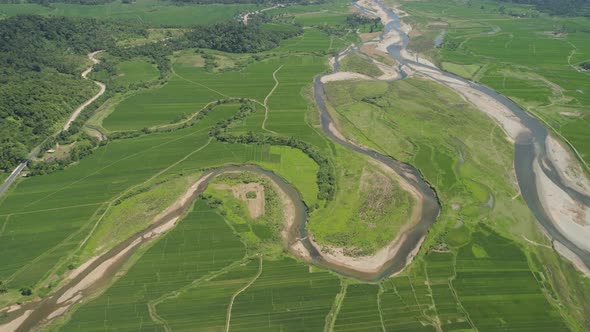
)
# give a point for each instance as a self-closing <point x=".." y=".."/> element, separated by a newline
<point x="294" y="166"/>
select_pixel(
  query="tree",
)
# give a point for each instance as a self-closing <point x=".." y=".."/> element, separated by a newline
<point x="11" y="154"/>
<point x="3" y="288"/>
<point x="25" y="291"/>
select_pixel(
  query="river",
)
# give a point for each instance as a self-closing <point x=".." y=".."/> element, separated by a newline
<point x="530" y="146"/>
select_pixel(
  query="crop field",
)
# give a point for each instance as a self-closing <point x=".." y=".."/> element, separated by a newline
<point x="152" y="12"/>
<point x="440" y="271"/>
<point x="60" y="205"/>
<point x="201" y="244"/>
<point x="205" y="305"/>
<point x="286" y="297"/>
<point x="360" y="309"/>
<point x="295" y="168"/>
<point x="136" y="71"/>
<point x="450" y="158"/>
<point x="528" y="59"/>
<point x="403" y="304"/>
<point x="500" y="281"/>
<point x="314" y="40"/>
<point x="45" y="234"/>
<point x="222" y="269"/>
<point x="191" y="88"/>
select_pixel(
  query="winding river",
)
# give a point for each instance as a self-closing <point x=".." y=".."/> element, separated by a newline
<point x="530" y="145"/>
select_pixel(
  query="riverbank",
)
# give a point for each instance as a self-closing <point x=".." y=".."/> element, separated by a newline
<point x="569" y="186"/>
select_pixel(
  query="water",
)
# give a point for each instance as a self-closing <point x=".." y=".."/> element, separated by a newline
<point x="528" y="147"/>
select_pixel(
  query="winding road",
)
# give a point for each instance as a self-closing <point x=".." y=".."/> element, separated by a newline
<point x="16" y="172"/>
<point x="533" y="167"/>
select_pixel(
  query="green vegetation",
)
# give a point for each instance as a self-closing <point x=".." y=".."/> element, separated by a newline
<point x="41" y="60"/>
<point x="558" y="7"/>
<point x="295" y="167"/>
<point x="505" y="274"/>
<point x="286" y="297"/>
<point x="200" y="245"/>
<point x="377" y="208"/>
<point x="359" y="310"/>
<point x="205" y="305"/>
<point x="528" y="56"/>
<point x="357" y="63"/>
<point x="151" y="12"/>
<point x="173" y="112"/>
<point x="236" y="37"/>
<point x="134" y="71"/>
<point x="465" y="156"/>
<point x="133" y="212"/>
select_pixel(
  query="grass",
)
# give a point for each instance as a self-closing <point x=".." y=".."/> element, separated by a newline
<point x="376" y="207"/>
<point x="200" y="244"/>
<point x="151" y="12"/>
<point x="133" y="214"/>
<point x="526" y="59"/>
<point x="261" y="235"/>
<point x="464" y="155"/>
<point x="295" y="167"/>
<point x="458" y="149"/>
<point x="355" y="62"/>
<point x="467" y="71"/>
<point x="135" y="71"/>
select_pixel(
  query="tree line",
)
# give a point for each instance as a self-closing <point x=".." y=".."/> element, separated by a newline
<point x="559" y="7"/>
<point x="325" y="177"/>
<point x="40" y="63"/>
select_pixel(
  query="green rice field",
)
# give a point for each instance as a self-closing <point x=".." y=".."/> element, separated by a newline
<point x="151" y="12"/>
<point x="483" y="266"/>
<point x="527" y="59"/>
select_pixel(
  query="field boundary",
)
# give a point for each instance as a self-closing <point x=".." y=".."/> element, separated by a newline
<point x="265" y="103"/>
<point x="233" y="298"/>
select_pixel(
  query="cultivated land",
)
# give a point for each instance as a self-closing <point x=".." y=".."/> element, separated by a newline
<point x="533" y="59"/>
<point x="152" y="12"/>
<point x="450" y="142"/>
<point x="224" y="264"/>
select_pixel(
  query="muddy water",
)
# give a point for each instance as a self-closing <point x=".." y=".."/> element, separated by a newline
<point x="298" y="232"/>
<point x="529" y="148"/>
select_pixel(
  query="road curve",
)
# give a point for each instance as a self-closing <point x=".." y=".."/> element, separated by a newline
<point x="16" y="172"/>
<point x="102" y="87"/>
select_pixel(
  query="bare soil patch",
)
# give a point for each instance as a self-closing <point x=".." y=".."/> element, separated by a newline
<point x="372" y="51"/>
<point x="251" y="193"/>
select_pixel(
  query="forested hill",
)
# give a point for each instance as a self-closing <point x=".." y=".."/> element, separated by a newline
<point x="559" y="7"/>
<point x="40" y="85"/>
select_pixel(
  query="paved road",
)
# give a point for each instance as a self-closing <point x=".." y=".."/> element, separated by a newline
<point x="14" y="175"/>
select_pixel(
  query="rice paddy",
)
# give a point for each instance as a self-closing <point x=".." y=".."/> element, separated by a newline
<point x="219" y="269"/>
<point x="533" y="60"/>
<point x="151" y="12"/>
